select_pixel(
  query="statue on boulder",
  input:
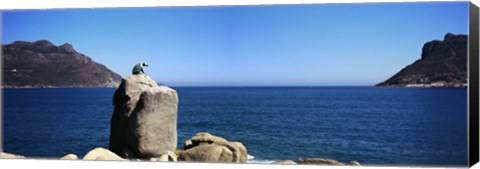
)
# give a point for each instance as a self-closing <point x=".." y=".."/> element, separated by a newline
<point x="138" y="69"/>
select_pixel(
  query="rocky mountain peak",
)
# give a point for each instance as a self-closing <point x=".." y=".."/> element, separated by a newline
<point x="67" y="47"/>
<point x="442" y="64"/>
<point x="42" y="64"/>
<point x="451" y="46"/>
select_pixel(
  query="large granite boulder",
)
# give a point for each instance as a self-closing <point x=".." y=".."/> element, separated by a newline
<point x="208" y="153"/>
<point x="152" y="130"/>
<point x="143" y="123"/>
<point x="203" y="138"/>
<point x="101" y="154"/>
<point x="237" y="149"/>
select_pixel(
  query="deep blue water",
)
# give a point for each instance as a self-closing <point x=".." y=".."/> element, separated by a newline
<point x="375" y="126"/>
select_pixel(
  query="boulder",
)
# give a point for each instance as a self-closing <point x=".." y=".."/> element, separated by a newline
<point x="207" y="153"/>
<point x="284" y="162"/>
<point x="239" y="152"/>
<point x="144" y="121"/>
<point x="320" y="161"/>
<point x="354" y="163"/>
<point x="178" y="152"/>
<point x="101" y="154"/>
<point x="203" y="138"/>
<point x="69" y="157"/>
<point x="242" y="151"/>
<point x="152" y="130"/>
<point x="10" y="156"/>
<point x="169" y="156"/>
<point x="125" y="100"/>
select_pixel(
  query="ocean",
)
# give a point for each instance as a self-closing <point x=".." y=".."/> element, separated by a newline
<point x="374" y="126"/>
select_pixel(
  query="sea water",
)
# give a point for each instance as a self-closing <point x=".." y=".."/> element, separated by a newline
<point x="374" y="126"/>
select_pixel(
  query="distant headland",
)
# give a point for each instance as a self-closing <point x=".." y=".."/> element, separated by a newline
<point x="442" y="64"/>
<point x="41" y="64"/>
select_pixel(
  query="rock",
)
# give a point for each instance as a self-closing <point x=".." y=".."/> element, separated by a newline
<point x="241" y="150"/>
<point x="354" y="163"/>
<point x="10" y="156"/>
<point x="207" y="153"/>
<point x="101" y="154"/>
<point x="152" y="130"/>
<point x="69" y="157"/>
<point x="169" y="156"/>
<point x="203" y="138"/>
<point x="238" y="150"/>
<point x="321" y="161"/>
<point x="178" y="152"/>
<point x="284" y="162"/>
<point x="127" y="153"/>
<point x="125" y="99"/>
<point x="144" y="121"/>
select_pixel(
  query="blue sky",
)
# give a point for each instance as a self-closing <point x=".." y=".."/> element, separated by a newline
<point x="312" y="45"/>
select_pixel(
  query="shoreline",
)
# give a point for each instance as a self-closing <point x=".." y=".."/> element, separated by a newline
<point x="102" y="154"/>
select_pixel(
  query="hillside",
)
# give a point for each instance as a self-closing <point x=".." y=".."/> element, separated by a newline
<point x="41" y="64"/>
<point x="442" y="64"/>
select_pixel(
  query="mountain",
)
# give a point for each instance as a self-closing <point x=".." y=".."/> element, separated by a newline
<point x="442" y="64"/>
<point x="42" y="64"/>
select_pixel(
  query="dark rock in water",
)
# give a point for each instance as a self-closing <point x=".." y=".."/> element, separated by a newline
<point x="143" y="123"/>
<point x="237" y="149"/>
<point x="42" y="64"/>
<point x="320" y="161"/>
<point x="442" y="64"/>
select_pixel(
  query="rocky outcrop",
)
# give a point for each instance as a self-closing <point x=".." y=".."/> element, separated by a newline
<point x="144" y="120"/>
<point x="101" y="154"/>
<point x="204" y="147"/>
<point x="10" y="156"/>
<point x="442" y="64"/>
<point x="41" y="64"/>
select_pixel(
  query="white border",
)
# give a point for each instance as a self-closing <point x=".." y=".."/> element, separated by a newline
<point x="75" y="4"/>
